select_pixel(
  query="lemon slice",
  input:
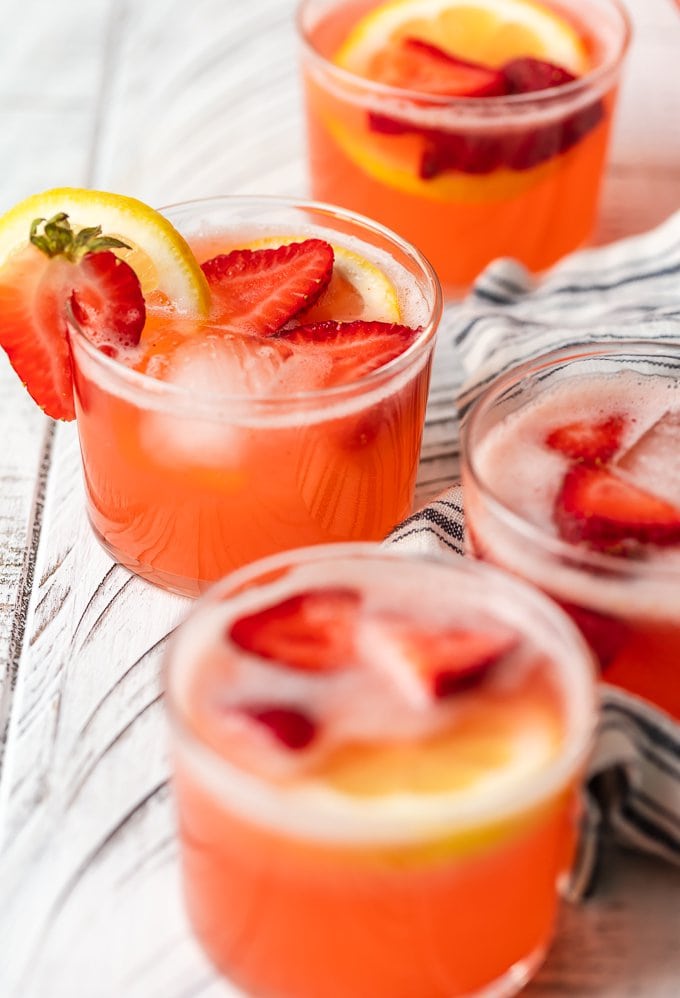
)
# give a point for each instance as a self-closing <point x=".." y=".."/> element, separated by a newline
<point x="490" y="32"/>
<point x="159" y="255"/>
<point x="358" y="288"/>
<point x="486" y="750"/>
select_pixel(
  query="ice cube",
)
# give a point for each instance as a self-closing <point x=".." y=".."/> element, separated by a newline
<point x="220" y="366"/>
<point x="247" y="366"/>
<point x="653" y="462"/>
<point x="227" y="365"/>
<point x="211" y="365"/>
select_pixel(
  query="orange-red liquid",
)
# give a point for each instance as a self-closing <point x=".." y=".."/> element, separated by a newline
<point x="460" y="221"/>
<point x="290" y="919"/>
<point x="639" y="655"/>
<point x="394" y="863"/>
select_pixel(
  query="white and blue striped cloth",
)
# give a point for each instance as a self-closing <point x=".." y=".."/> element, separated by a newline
<point x="628" y="290"/>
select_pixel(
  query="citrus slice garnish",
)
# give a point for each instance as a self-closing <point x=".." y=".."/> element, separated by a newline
<point x="158" y="254"/>
<point x="489" y="32"/>
<point x="486" y="749"/>
<point x="358" y="289"/>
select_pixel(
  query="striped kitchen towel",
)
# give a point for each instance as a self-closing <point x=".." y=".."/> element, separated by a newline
<point x="628" y="290"/>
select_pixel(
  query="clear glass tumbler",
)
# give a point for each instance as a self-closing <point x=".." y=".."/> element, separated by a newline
<point x="183" y="485"/>
<point x="466" y="179"/>
<point x="571" y="474"/>
<point x="377" y="770"/>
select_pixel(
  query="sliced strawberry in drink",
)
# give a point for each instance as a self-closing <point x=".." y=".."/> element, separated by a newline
<point x="312" y="631"/>
<point x="596" y="506"/>
<point x="259" y="291"/>
<point x="414" y="64"/>
<point x="454" y="660"/>
<point x="428" y="663"/>
<point x="605" y="634"/>
<point x="355" y="348"/>
<point x="289" y="725"/>
<point x="528" y="75"/>
<point x="583" y="440"/>
<point x="467" y="153"/>
<point x="35" y="285"/>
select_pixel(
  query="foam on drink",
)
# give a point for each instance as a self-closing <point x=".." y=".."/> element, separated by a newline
<point x="525" y="475"/>
<point x="385" y="765"/>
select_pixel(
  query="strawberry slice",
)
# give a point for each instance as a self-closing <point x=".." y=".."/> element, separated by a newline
<point x="261" y="290"/>
<point x="312" y="631"/>
<point x="528" y="75"/>
<point x="413" y="64"/>
<point x="33" y="329"/>
<point x="355" y="348"/>
<point x="606" y="635"/>
<point x="107" y="301"/>
<point x="437" y="664"/>
<point x="586" y="441"/>
<point x="35" y="285"/>
<point x="597" y="506"/>
<point x="289" y="725"/>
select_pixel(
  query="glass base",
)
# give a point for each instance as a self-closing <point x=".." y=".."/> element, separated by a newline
<point x="179" y="584"/>
<point x="514" y="979"/>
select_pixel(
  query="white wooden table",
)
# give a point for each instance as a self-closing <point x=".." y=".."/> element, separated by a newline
<point x="171" y="99"/>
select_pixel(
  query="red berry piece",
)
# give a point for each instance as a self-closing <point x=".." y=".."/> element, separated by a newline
<point x="444" y="662"/>
<point x="457" y="660"/>
<point x="261" y="290"/>
<point x="528" y="75"/>
<point x="355" y="348"/>
<point x="583" y="440"/>
<point x="107" y="301"/>
<point x="596" y="506"/>
<point x="290" y="726"/>
<point x="606" y="635"/>
<point x="414" y="64"/>
<point x="476" y="154"/>
<point x="385" y="125"/>
<point x="312" y="631"/>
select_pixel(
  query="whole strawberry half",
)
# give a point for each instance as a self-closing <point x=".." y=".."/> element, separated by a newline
<point x="596" y="506"/>
<point x="36" y="284"/>
<point x="584" y="440"/>
<point x="312" y="631"/>
<point x="261" y="290"/>
<point x="354" y="348"/>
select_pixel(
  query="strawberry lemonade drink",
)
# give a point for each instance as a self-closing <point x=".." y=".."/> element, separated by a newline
<point x="572" y="480"/>
<point x="376" y="767"/>
<point x="475" y="128"/>
<point x="260" y="386"/>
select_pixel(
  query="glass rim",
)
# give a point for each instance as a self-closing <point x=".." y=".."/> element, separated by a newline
<point x="539" y="98"/>
<point x="569" y="552"/>
<point x="148" y="386"/>
<point x="580" y="725"/>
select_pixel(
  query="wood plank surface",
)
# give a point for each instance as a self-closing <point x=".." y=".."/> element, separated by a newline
<point x="170" y="100"/>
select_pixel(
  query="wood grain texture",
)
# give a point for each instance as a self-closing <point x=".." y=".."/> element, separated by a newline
<point x="169" y="100"/>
